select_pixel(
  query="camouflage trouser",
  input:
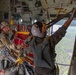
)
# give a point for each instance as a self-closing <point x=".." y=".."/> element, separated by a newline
<point x="23" y="69"/>
<point x="11" y="71"/>
<point x="4" y="63"/>
<point x="44" y="71"/>
<point x="1" y="67"/>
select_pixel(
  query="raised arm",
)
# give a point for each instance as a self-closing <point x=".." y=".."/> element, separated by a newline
<point x="67" y="23"/>
<point x="60" y="33"/>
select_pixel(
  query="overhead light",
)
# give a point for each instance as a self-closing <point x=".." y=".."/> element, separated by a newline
<point x="35" y="20"/>
<point x="20" y="20"/>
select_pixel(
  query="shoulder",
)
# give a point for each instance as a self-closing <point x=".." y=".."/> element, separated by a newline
<point x="47" y="38"/>
<point x="1" y="35"/>
<point x="29" y="39"/>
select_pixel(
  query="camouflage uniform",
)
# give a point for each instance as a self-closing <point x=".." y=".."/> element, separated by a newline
<point x="5" y="42"/>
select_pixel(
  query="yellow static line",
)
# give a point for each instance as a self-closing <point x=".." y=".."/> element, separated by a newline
<point x="27" y="33"/>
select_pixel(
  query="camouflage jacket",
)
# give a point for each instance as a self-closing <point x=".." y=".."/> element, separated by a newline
<point x="5" y="42"/>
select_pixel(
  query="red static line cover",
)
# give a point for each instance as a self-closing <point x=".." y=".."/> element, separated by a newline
<point x="20" y="38"/>
<point x="18" y="41"/>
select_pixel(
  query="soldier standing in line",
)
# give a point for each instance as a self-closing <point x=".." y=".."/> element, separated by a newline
<point x="44" y="47"/>
<point x="6" y="38"/>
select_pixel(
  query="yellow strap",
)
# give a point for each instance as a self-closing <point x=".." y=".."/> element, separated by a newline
<point x="47" y="8"/>
<point x="26" y="33"/>
<point x="46" y="5"/>
<point x="20" y="60"/>
<point x="11" y="21"/>
<point x="58" y="11"/>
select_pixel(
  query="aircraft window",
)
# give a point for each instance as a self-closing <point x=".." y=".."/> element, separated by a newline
<point x="64" y="49"/>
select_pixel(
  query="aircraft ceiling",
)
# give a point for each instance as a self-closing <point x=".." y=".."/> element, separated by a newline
<point x="42" y="9"/>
